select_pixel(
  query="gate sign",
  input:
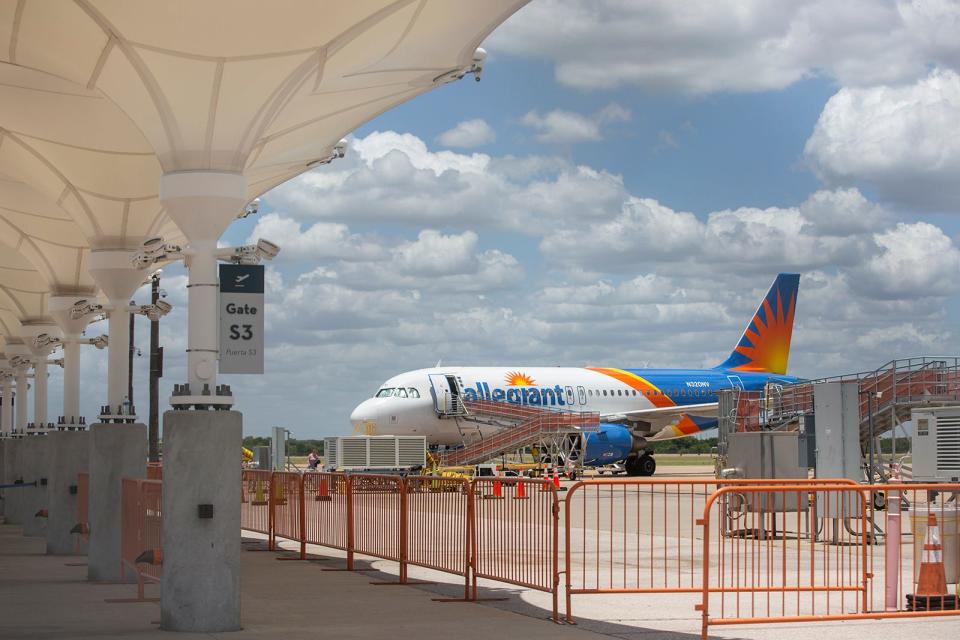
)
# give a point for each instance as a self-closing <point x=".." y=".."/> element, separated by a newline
<point x="241" y="318"/>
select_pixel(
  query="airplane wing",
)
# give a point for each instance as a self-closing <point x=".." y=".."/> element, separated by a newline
<point x="660" y="416"/>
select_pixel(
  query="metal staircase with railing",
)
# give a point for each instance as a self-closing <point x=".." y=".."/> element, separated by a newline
<point x="887" y="396"/>
<point x="520" y="426"/>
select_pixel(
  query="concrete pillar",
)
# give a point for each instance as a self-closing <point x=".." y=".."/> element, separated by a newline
<point x="200" y="591"/>
<point x="69" y="454"/>
<point x="116" y="451"/>
<point x="11" y="469"/>
<point x="3" y="476"/>
<point x="36" y="468"/>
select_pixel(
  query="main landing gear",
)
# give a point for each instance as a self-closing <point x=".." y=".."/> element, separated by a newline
<point x="643" y="465"/>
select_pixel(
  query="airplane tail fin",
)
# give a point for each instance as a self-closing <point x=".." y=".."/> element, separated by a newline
<point x="765" y="344"/>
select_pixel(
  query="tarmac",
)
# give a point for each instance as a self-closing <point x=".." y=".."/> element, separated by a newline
<point x="46" y="597"/>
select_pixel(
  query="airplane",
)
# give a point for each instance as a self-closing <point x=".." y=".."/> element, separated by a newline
<point x="636" y="406"/>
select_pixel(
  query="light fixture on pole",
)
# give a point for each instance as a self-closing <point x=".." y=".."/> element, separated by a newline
<point x="85" y="308"/>
<point x="475" y="67"/>
<point x="337" y="151"/>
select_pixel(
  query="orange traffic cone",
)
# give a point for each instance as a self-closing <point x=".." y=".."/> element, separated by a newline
<point x="497" y="491"/>
<point x="931" y="592"/>
<point x="556" y="480"/>
<point x="323" y="493"/>
<point x="521" y="490"/>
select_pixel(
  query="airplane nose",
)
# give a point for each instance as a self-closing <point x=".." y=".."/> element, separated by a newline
<point x="364" y="416"/>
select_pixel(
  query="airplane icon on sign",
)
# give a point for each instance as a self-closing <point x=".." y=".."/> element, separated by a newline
<point x="242" y="278"/>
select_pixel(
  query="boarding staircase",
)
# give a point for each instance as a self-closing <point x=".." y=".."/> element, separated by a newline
<point x="520" y="426"/>
<point x="888" y="394"/>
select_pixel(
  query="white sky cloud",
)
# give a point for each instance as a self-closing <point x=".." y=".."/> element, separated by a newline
<point x="567" y="127"/>
<point x="902" y="140"/>
<point x="468" y="134"/>
<point x="705" y="46"/>
<point x="614" y="270"/>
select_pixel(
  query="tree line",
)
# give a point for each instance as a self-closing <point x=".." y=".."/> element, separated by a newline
<point x="294" y="447"/>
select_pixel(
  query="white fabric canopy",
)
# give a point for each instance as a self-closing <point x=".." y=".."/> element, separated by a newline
<point x="262" y="88"/>
<point x="100" y="98"/>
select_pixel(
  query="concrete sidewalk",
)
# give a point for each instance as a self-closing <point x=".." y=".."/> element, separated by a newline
<point x="43" y="598"/>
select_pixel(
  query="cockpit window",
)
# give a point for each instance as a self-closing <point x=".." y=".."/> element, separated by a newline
<point x="386" y="392"/>
<point x="413" y="392"/>
<point x="400" y="392"/>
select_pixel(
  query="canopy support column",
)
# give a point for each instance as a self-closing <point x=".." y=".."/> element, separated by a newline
<point x="200" y="591"/>
<point x="6" y="414"/>
<point x="71" y="380"/>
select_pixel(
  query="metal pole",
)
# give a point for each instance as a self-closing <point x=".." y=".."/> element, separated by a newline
<point x="130" y="364"/>
<point x="872" y="439"/>
<point x="155" y="373"/>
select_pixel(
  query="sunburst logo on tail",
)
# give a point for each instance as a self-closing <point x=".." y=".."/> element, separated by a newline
<point x="765" y="344"/>
<point x="517" y="379"/>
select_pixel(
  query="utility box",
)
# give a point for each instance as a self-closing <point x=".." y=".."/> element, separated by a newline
<point x="261" y="455"/>
<point x="766" y="454"/>
<point x="375" y="453"/>
<point x="935" y="445"/>
<point x="808" y="442"/>
<point x="836" y="406"/>
<point x="278" y="448"/>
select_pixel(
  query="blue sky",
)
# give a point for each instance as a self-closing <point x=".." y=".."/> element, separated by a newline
<point x="641" y="173"/>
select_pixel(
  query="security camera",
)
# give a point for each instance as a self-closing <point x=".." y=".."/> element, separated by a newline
<point x="155" y="250"/>
<point x="251" y="209"/>
<point x="266" y="249"/>
<point x="153" y="246"/>
<point x="100" y="342"/>
<point x="45" y="340"/>
<point x="479" y="60"/>
<point x="83" y="308"/>
<point x="340" y="149"/>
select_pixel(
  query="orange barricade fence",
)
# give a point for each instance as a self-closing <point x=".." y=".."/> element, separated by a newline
<point x="829" y="552"/>
<point x="287" y="508"/>
<point x="82" y="526"/>
<point x="438" y="516"/>
<point x="639" y="535"/>
<point x="378" y="515"/>
<point x="255" y="513"/>
<point x="327" y="510"/>
<point x="516" y="534"/>
<point x="141" y="519"/>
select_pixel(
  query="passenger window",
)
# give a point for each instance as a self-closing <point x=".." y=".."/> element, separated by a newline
<point x="604" y="392"/>
<point x="619" y="392"/>
<point x="413" y="392"/>
<point x="590" y="392"/>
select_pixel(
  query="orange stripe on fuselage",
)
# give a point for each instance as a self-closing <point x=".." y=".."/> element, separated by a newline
<point x="658" y="398"/>
<point x="686" y="426"/>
